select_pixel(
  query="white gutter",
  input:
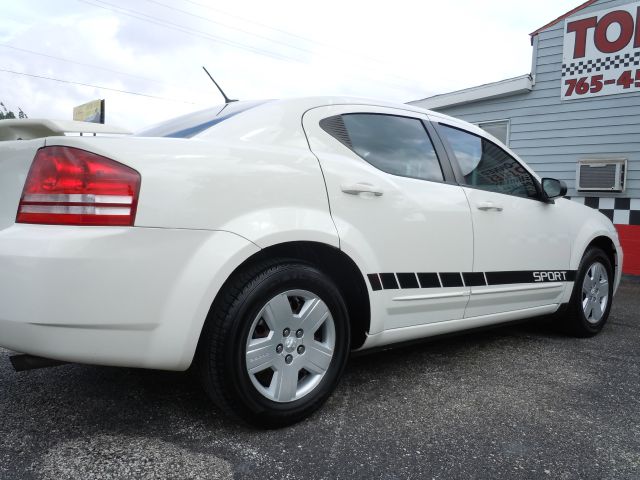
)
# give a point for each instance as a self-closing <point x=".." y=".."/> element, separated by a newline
<point x="503" y="88"/>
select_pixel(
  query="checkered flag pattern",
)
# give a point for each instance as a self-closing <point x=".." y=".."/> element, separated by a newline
<point x="621" y="211"/>
<point x="601" y="64"/>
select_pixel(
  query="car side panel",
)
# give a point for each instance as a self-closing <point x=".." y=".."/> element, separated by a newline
<point x="261" y="191"/>
<point x="582" y="224"/>
<point x="525" y="236"/>
<point x="585" y="225"/>
<point x="415" y="226"/>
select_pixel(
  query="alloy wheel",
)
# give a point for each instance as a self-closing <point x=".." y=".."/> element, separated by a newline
<point x="290" y="345"/>
<point x="595" y="292"/>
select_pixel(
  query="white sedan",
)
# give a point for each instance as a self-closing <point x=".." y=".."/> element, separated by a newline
<point x="264" y="241"/>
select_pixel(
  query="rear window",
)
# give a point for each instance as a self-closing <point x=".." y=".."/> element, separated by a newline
<point x="191" y="124"/>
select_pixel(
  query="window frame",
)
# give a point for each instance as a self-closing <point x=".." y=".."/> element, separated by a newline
<point x="458" y="172"/>
<point x="502" y="120"/>
<point x="448" y="174"/>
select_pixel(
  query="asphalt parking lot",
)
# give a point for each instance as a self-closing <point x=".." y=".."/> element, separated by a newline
<point x="514" y="402"/>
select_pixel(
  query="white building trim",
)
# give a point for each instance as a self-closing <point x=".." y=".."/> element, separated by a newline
<point x="503" y="88"/>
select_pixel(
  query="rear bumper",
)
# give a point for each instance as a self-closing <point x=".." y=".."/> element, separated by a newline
<point x="134" y="297"/>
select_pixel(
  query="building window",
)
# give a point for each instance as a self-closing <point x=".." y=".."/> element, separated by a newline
<point x="499" y="129"/>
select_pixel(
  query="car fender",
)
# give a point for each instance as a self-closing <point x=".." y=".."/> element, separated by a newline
<point x="206" y="272"/>
<point x="587" y="224"/>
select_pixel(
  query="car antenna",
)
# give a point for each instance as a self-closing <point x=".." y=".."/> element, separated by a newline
<point x="227" y="100"/>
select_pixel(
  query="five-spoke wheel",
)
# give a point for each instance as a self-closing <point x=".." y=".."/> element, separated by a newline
<point x="275" y="343"/>
<point x="595" y="292"/>
<point x="290" y="345"/>
<point x="590" y="302"/>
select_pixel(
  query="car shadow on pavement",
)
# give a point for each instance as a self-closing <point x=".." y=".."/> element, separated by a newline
<point x="127" y="399"/>
<point x="77" y="417"/>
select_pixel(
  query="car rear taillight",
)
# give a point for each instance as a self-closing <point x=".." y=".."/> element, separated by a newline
<point x="69" y="186"/>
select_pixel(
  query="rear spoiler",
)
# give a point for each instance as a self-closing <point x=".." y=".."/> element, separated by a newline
<point x="28" y="128"/>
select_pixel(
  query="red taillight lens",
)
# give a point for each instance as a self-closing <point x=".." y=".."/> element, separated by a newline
<point x="69" y="186"/>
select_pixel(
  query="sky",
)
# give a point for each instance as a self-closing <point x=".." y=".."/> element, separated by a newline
<point x="155" y="49"/>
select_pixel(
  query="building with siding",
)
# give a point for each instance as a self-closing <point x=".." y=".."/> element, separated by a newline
<point x="576" y="116"/>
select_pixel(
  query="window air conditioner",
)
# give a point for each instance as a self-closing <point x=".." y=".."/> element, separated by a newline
<point x="601" y="175"/>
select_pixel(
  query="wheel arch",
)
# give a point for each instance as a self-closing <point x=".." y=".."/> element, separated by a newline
<point x="334" y="263"/>
<point x="605" y="244"/>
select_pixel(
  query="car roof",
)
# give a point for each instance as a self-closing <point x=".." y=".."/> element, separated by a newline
<point x="306" y="103"/>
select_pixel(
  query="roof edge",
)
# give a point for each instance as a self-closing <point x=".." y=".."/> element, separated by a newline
<point x="502" y="88"/>
<point x="562" y="17"/>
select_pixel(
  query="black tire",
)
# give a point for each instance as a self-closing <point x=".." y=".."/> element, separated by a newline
<point x="223" y="345"/>
<point x="574" y="320"/>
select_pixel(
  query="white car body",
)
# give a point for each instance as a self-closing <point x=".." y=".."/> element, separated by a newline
<point x="139" y="296"/>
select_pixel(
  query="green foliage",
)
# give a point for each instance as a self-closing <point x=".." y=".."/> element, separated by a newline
<point x="7" y="114"/>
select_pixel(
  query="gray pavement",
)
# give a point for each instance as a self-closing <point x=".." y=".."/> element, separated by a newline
<point x="513" y="402"/>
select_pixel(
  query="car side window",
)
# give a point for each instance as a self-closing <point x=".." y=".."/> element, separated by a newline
<point x="394" y="144"/>
<point x="486" y="166"/>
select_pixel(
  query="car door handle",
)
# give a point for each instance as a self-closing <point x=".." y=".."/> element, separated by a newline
<point x="486" y="206"/>
<point x="358" y="188"/>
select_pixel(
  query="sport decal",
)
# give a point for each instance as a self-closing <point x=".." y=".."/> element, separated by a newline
<point x="395" y="281"/>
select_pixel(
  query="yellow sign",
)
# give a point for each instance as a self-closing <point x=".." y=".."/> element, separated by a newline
<point x="90" y="112"/>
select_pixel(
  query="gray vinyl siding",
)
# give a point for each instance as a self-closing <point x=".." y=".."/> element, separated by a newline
<point x="552" y="135"/>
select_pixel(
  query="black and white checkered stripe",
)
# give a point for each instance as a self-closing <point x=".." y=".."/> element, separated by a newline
<point x="431" y="280"/>
<point x="621" y="211"/>
<point x="601" y="64"/>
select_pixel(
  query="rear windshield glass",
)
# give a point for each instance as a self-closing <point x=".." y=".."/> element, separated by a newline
<point x="192" y="124"/>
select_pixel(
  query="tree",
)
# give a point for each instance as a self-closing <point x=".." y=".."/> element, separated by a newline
<point x="7" y="114"/>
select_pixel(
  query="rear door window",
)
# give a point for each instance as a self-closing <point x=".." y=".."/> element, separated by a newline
<point x="394" y="144"/>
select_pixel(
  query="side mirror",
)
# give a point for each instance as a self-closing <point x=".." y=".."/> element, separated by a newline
<point x="553" y="188"/>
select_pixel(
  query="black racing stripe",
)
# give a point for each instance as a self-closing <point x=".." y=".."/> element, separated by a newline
<point x="504" y="278"/>
<point x="374" y="280"/>
<point x="429" y="280"/>
<point x="474" y="279"/>
<point x="530" y="276"/>
<point x="408" y="280"/>
<point x="389" y="281"/>
<point x="451" y="279"/>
